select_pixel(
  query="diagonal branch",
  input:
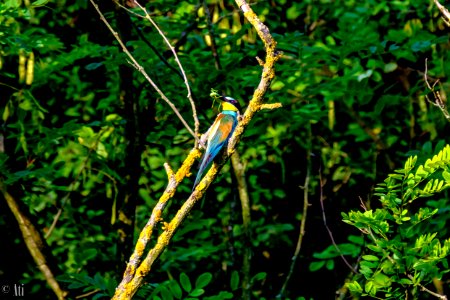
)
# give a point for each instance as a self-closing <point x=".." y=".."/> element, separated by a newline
<point x="186" y="83"/>
<point x="445" y="13"/>
<point x="138" y="67"/>
<point x="330" y="233"/>
<point x="34" y="242"/>
<point x="146" y="233"/>
<point x="135" y="273"/>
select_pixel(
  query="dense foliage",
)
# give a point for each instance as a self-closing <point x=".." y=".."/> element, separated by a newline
<point x="84" y="134"/>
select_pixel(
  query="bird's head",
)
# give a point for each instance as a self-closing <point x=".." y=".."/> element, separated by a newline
<point x="229" y="103"/>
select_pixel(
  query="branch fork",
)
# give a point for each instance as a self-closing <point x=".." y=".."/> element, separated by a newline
<point x="137" y="270"/>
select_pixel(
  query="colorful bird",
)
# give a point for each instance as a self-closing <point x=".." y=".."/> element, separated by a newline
<point x="219" y="133"/>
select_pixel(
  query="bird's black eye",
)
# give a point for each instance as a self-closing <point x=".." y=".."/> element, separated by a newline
<point x="230" y="100"/>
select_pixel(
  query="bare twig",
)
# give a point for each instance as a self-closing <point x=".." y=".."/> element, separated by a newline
<point x="438" y="101"/>
<point x="88" y="294"/>
<point x="135" y="272"/>
<point x="211" y="35"/>
<point x="128" y="10"/>
<point x="186" y="83"/>
<point x="306" y="204"/>
<point x="160" y="56"/>
<point x="423" y="288"/>
<point x="444" y="11"/>
<point x="138" y="67"/>
<point x="330" y="233"/>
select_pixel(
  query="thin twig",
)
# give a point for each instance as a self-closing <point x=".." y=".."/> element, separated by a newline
<point x="146" y="41"/>
<point x="211" y="35"/>
<point x="423" y="288"/>
<point x="138" y="67"/>
<point x="160" y="56"/>
<point x="444" y="11"/>
<point x="306" y="204"/>
<point x="438" y="102"/>
<point x="186" y="82"/>
<point x="133" y="277"/>
<point x="330" y="233"/>
<point x="87" y="294"/>
<point x="128" y="10"/>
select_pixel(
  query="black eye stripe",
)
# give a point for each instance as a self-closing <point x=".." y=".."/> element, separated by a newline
<point x="231" y="101"/>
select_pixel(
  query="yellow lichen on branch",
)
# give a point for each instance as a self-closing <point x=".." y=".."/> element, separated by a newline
<point x="174" y="179"/>
<point x="135" y="274"/>
<point x="187" y="164"/>
<point x="270" y="106"/>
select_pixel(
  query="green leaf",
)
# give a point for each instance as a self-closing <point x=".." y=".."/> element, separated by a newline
<point x="370" y="288"/>
<point x="359" y="240"/>
<point x="39" y="3"/>
<point x="382" y="280"/>
<point x="203" y="280"/>
<point x="421" y="172"/>
<point x="234" y="284"/>
<point x="166" y="294"/>
<point x="330" y="264"/>
<point x="258" y="276"/>
<point x="446" y="176"/>
<point x="6" y="113"/>
<point x="185" y="282"/>
<point x="175" y="289"/>
<point x="89" y="254"/>
<point x="293" y="12"/>
<point x="197" y="292"/>
<point x="355" y="287"/>
<point x="406" y="281"/>
<point x="13" y="3"/>
<point x="390" y="67"/>
<point x="374" y="248"/>
<point x="316" y="265"/>
<point x="93" y="66"/>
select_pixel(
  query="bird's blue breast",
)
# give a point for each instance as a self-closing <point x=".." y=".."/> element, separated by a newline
<point x="219" y="134"/>
<point x="230" y="112"/>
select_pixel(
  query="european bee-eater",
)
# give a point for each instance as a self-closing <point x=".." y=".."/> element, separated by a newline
<point x="219" y="133"/>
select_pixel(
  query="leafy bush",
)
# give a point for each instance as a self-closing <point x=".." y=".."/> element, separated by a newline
<point x="406" y="249"/>
<point x="353" y="95"/>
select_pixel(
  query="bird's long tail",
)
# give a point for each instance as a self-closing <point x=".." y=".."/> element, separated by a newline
<point x="203" y="166"/>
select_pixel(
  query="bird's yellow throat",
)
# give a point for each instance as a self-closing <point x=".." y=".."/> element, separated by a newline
<point x="228" y="106"/>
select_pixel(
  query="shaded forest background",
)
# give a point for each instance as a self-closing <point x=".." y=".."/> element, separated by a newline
<point x="85" y="136"/>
